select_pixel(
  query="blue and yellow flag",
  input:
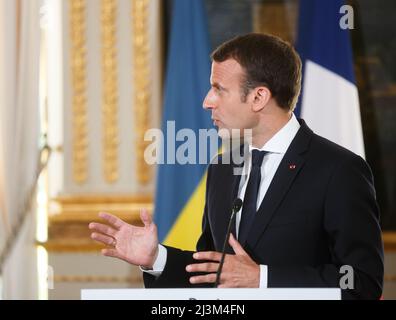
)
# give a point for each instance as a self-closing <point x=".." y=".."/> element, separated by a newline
<point x="180" y="194"/>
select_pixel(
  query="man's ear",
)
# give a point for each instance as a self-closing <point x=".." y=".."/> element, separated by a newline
<point x="261" y="96"/>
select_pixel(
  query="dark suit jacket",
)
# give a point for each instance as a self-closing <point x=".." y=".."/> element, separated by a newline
<point x="319" y="213"/>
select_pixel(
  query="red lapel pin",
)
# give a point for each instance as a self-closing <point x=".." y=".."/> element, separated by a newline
<point x="292" y="166"/>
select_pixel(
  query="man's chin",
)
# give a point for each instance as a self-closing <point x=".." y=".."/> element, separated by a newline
<point x="227" y="133"/>
<point x="224" y="133"/>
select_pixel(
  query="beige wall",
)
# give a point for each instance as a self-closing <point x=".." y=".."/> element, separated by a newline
<point x="390" y="276"/>
<point x="76" y="271"/>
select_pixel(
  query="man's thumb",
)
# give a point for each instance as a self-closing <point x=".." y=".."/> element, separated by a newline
<point x="236" y="246"/>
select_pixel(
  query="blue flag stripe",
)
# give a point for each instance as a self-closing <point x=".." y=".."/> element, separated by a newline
<point x="321" y="39"/>
<point x="187" y="82"/>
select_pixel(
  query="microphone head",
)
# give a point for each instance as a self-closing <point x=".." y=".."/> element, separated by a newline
<point x="236" y="206"/>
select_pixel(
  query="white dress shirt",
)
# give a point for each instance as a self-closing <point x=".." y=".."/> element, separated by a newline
<point x="276" y="148"/>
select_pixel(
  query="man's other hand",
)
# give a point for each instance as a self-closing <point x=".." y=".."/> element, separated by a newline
<point x="133" y="244"/>
<point x="239" y="270"/>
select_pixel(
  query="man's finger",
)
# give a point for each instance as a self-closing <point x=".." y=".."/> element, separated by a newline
<point x="102" y="238"/>
<point x="208" y="278"/>
<point x="204" y="267"/>
<point x="102" y="228"/>
<point x="117" y="222"/>
<point x="112" y="253"/>
<point x="238" y="249"/>
<point x="145" y="217"/>
<point x="207" y="255"/>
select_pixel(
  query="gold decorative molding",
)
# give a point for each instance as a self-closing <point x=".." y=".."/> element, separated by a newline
<point x="389" y="239"/>
<point x="99" y="278"/>
<point x="78" y="74"/>
<point x="390" y="277"/>
<point x="83" y="208"/>
<point x="69" y="217"/>
<point x="141" y="78"/>
<point x="277" y="18"/>
<point x="110" y="91"/>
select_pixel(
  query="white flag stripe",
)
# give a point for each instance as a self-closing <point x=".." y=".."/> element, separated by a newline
<point x="330" y="106"/>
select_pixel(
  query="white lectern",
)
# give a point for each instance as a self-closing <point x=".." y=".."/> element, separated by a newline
<point x="212" y="294"/>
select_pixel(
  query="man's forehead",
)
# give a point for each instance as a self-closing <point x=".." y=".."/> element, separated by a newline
<point x="225" y="70"/>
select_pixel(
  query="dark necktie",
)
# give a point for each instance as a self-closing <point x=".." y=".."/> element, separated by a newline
<point x="250" y="200"/>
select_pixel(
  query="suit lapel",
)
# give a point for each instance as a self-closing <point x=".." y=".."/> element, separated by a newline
<point x="227" y="187"/>
<point x="288" y="169"/>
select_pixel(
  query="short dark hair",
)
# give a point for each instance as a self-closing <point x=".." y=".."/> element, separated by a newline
<point x="267" y="61"/>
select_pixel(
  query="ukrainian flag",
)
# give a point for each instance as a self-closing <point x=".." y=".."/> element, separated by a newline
<point x="180" y="194"/>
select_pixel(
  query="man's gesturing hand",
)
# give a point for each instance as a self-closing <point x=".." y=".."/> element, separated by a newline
<point x="239" y="270"/>
<point x="136" y="245"/>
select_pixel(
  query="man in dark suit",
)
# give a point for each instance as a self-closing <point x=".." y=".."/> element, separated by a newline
<point x="309" y="205"/>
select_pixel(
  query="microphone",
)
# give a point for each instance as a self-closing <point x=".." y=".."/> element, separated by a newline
<point x="236" y="206"/>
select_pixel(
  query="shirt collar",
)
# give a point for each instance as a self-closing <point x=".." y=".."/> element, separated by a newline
<point x="281" y="141"/>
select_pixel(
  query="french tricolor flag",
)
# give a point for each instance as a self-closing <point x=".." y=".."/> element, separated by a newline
<point x="329" y="102"/>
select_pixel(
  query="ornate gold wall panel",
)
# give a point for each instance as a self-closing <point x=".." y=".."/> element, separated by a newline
<point x="108" y="102"/>
<point x="110" y="90"/>
<point x="270" y="17"/>
<point x="141" y="78"/>
<point x="68" y="224"/>
<point x="78" y="74"/>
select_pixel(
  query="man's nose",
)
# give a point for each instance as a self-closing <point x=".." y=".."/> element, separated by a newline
<point x="208" y="102"/>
